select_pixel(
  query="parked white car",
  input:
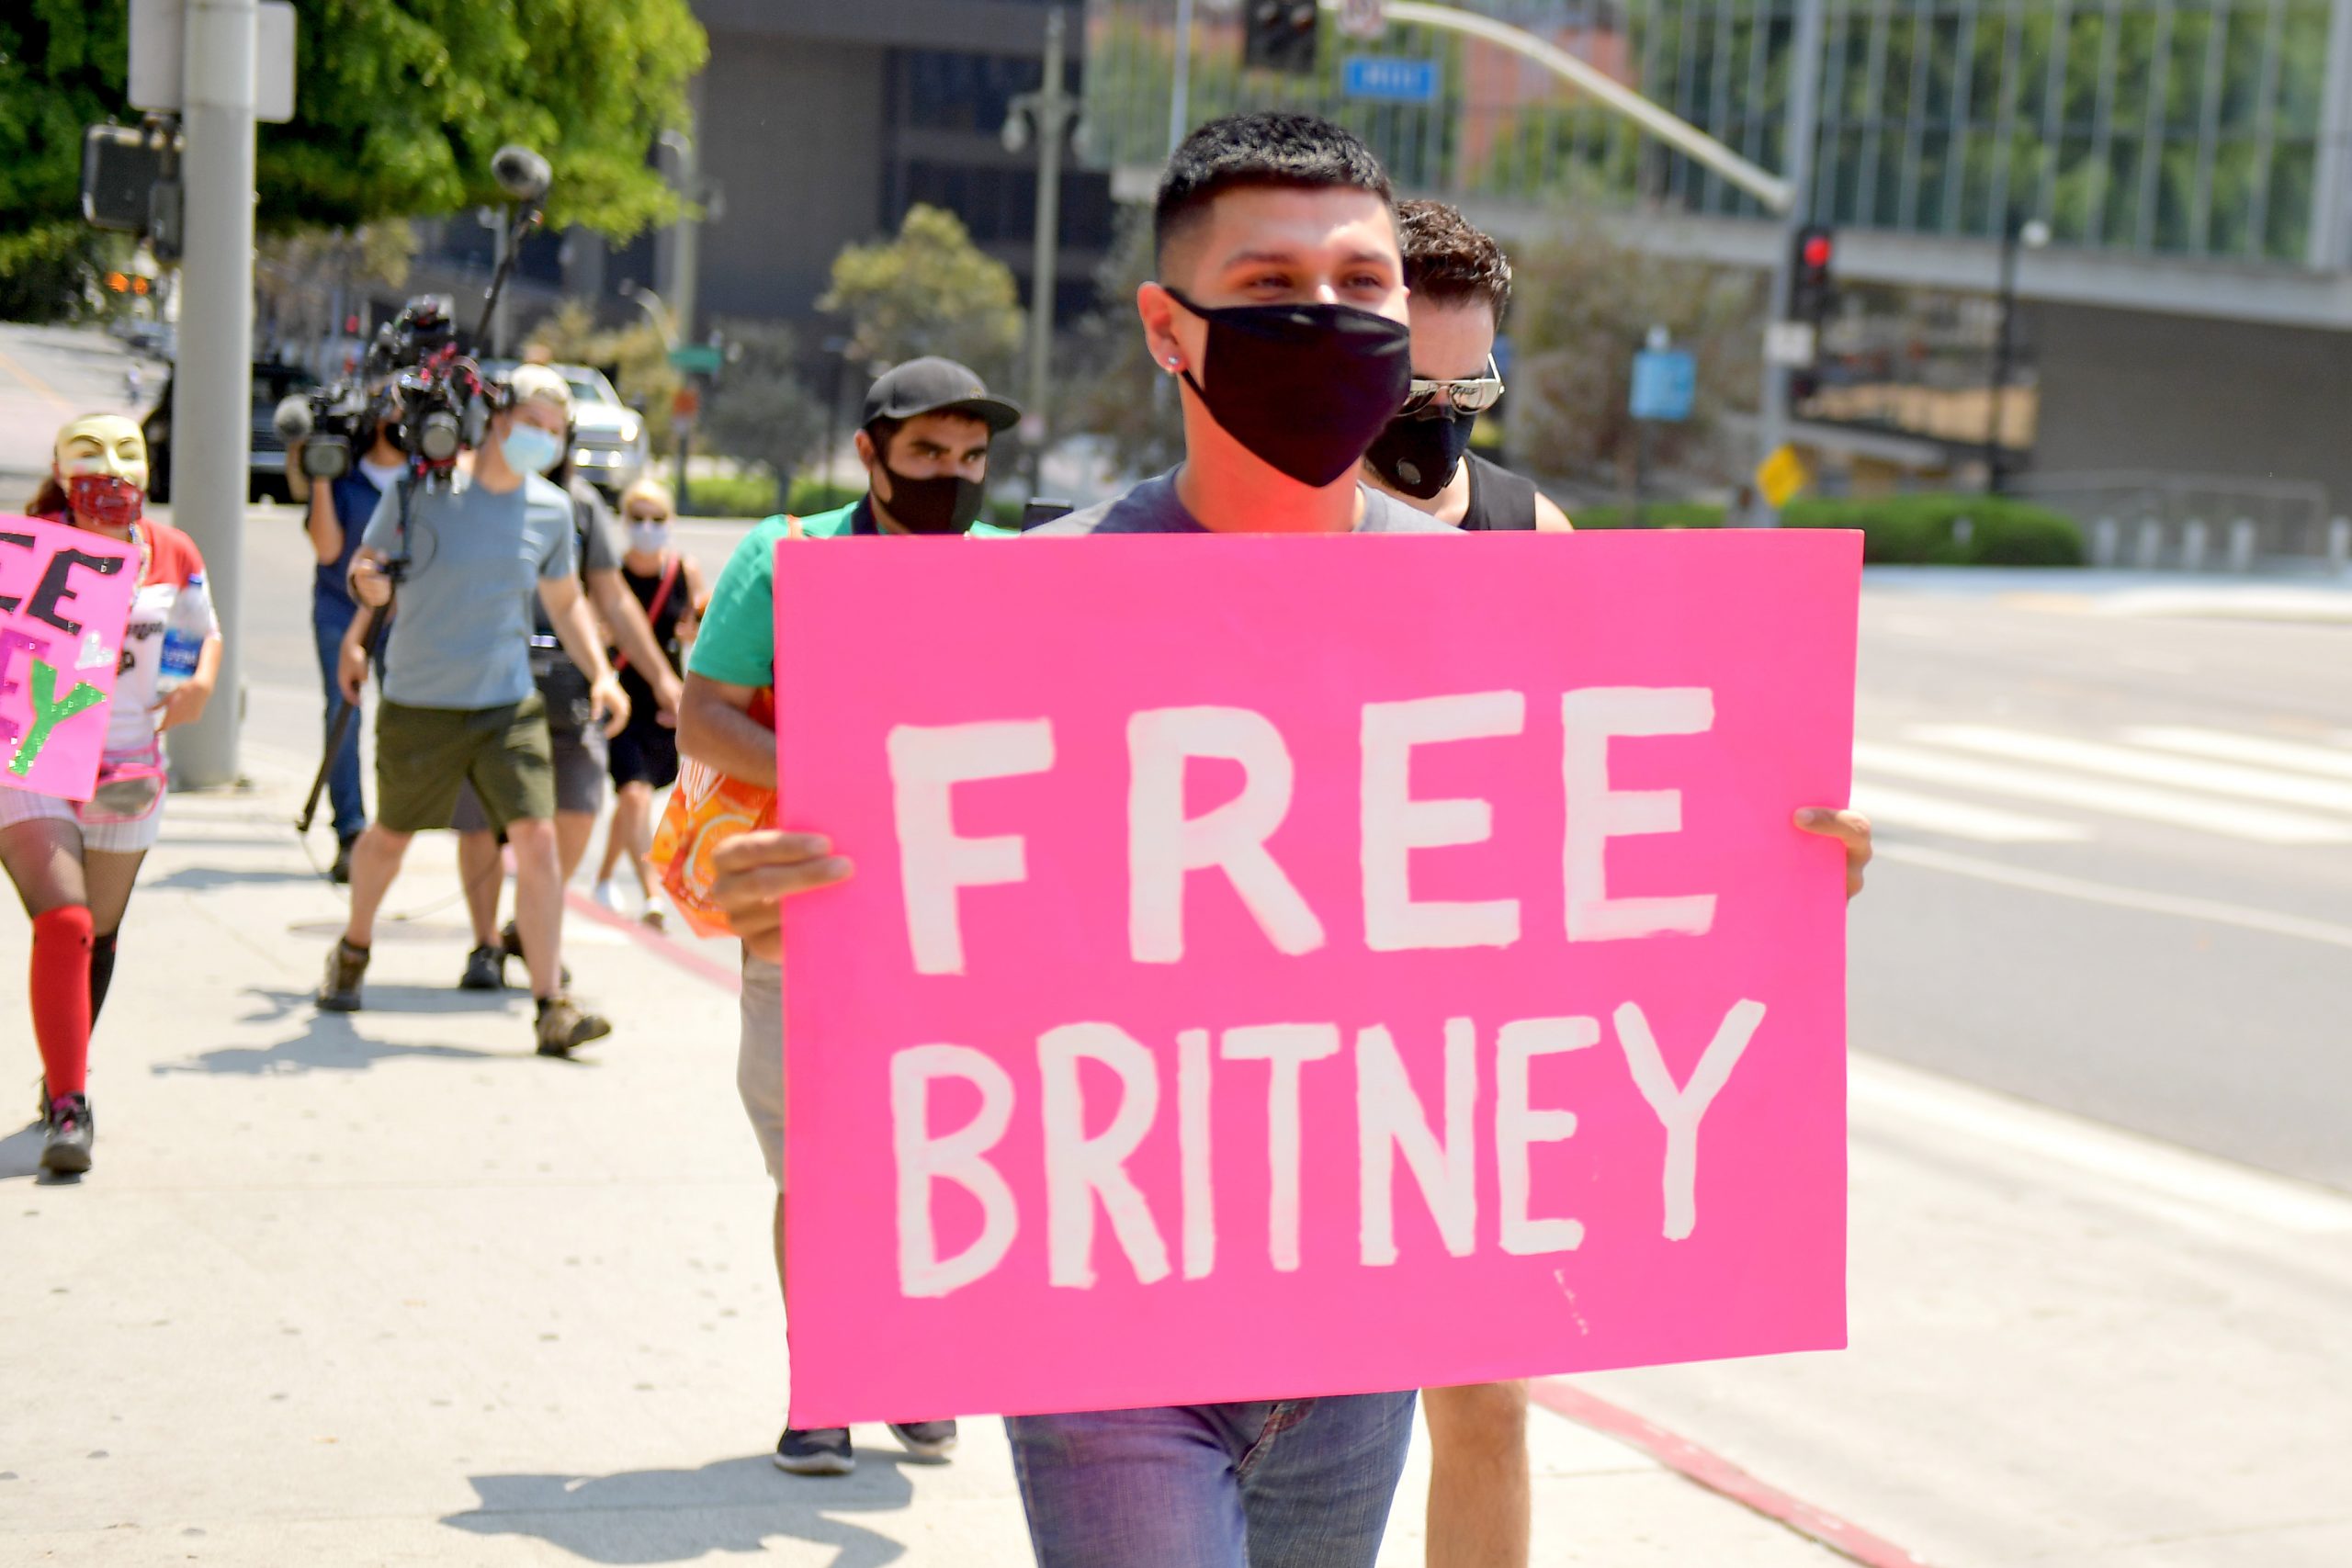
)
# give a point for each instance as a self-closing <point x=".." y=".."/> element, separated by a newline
<point x="609" y="449"/>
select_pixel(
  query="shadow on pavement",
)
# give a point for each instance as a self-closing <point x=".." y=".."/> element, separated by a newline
<point x="204" y="879"/>
<point x="21" y="1151"/>
<point x="678" y="1515"/>
<point x="332" y="1043"/>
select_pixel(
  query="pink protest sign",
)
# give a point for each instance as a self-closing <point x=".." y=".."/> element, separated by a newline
<point x="1292" y="967"/>
<point x="65" y="598"/>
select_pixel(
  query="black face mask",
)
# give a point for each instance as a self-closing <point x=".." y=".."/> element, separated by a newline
<point x="1419" y="455"/>
<point x="945" y="503"/>
<point x="1305" y="387"/>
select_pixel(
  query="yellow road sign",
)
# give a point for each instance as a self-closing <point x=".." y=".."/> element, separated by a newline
<point x="1781" y="476"/>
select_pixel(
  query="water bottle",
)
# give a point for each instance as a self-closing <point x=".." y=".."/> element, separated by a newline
<point x="183" y="637"/>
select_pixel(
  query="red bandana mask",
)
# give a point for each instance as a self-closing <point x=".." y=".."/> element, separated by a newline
<point x="116" y="502"/>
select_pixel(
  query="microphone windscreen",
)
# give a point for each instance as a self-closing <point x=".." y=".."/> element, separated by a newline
<point x="292" y="418"/>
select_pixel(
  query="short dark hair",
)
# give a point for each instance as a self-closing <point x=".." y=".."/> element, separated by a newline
<point x="1298" y="151"/>
<point x="882" y="432"/>
<point x="1449" y="261"/>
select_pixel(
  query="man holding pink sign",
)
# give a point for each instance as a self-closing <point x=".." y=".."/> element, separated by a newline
<point x="106" y="641"/>
<point x="1144" y="1070"/>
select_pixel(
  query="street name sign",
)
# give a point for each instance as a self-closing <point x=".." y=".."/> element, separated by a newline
<point x="1248" y="961"/>
<point x="1665" y="383"/>
<point x="1382" y="80"/>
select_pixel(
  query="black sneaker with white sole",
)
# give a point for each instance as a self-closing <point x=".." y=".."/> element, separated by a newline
<point x="821" y="1450"/>
<point x="925" y="1439"/>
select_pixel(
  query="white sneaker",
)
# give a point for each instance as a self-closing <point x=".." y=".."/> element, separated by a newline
<point x="608" y="895"/>
<point x="657" y="913"/>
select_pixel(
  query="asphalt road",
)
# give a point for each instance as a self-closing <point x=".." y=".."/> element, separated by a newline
<point x="2118" y="869"/>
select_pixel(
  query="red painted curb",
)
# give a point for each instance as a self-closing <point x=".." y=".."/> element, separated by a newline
<point x="1719" y="1475"/>
<point x="685" y="958"/>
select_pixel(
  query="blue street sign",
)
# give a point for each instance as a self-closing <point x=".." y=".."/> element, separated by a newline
<point x="1665" y="382"/>
<point x="1389" y="81"/>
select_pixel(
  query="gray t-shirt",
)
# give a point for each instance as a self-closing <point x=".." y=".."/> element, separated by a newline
<point x="462" y="637"/>
<point x="1152" y="507"/>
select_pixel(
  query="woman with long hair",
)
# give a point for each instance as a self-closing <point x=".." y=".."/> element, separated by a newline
<point x="73" y="862"/>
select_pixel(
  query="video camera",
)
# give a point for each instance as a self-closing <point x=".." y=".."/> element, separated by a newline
<point x="413" y="376"/>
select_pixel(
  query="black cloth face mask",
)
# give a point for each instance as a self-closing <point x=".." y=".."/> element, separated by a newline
<point x="1417" y="453"/>
<point x="944" y="503"/>
<point x="1304" y="387"/>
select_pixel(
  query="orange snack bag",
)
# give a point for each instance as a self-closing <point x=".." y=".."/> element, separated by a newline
<point x="706" y="809"/>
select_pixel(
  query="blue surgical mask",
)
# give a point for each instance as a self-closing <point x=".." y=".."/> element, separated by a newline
<point x="530" y="450"/>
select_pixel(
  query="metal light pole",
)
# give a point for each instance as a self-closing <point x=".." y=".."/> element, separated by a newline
<point x="212" y="386"/>
<point x="2015" y="234"/>
<point x="1047" y="116"/>
<point x="1804" y="127"/>
<point x="1179" y="94"/>
<point x="685" y="252"/>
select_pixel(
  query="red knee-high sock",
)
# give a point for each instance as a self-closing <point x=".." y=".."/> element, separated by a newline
<point x="60" y="998"/>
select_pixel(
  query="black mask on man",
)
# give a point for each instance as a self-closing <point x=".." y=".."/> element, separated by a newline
<point x="944" y="503"/>
<point x="1419" y="453"/>
<point x="1305" y="387"/>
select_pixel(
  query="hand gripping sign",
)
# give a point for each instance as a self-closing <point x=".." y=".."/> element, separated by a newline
<point x="1292" y="967"/>
<point x="65" y="596"/>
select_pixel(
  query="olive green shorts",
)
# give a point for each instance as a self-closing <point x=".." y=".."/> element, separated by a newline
<point x="423" y="755"/>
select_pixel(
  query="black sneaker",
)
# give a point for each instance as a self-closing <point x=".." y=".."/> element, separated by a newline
<point x="823" y="1450"/>
<point x="346" y="966"/>
<point x="485" y="971"/>
<point x="509" y="942"/>
<point x="562" y="1026"/>
<point x="925" y="1439"/>
<point x="341" y="873"/>
<point x="66" y="1151"/>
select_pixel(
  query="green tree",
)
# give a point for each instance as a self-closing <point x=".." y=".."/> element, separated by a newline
<point x="762" y="412"/>
<point x="398" y="106"/>
<point x="1109" y="386"/>
<point x="930" y="290"/>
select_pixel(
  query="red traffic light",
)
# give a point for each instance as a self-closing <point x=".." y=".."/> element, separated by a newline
<point x="1817" y="252"/>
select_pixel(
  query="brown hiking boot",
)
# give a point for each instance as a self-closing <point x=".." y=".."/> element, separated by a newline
<point x="346" y="966"/>
<point x="562" y="1027"/>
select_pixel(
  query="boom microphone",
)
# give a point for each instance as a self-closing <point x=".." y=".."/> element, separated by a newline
<point x="521" y="173"/>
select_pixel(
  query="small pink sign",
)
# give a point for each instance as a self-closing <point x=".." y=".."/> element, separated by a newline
<point x="65" y="596"/>
<point x="1293" y="966"/>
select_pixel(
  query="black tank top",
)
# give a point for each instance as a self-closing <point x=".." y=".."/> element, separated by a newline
<point x="665" y="631"/>
<point x="1499" y="500"/>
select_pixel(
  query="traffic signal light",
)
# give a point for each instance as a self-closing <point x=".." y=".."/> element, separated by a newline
<point x="1279" y="35"/>
<point x="1813" y="291"/>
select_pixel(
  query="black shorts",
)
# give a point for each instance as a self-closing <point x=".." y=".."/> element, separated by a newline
<point x="646" y="753"/>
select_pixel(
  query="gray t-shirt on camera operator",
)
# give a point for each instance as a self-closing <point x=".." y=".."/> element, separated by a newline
<point x="462" y="638"/>
<point x="1152" y="507"/>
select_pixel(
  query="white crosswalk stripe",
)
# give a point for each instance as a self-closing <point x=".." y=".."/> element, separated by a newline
<point x="1888" y="806"/>
<point x="1954" y="770"/>
<point x="2330" y="761"/>
<point x="2142" y="766"/>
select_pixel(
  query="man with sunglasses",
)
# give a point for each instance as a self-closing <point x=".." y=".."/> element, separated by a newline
<point x="1461" y="286"/>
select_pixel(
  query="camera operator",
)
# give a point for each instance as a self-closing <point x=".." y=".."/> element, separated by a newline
<point x="460" y="706"/>
<point x="339" y="509"/>
<point x="579" y="745"/>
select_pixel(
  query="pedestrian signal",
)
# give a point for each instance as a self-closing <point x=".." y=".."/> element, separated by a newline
<point x="1279" y="35"/>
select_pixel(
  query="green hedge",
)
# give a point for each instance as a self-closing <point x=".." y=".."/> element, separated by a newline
<point x="1910" y="530"/>
<point x="1947" y="530"/>
<point x="1655" y="514"/>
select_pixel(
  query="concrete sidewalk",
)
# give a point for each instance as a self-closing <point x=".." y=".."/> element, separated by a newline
<point x="391" y="1289"/>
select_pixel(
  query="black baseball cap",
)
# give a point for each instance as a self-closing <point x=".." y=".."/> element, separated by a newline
<point x="932" y="385"/>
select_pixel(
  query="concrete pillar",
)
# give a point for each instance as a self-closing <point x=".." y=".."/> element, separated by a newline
<point x="2149" y="544"/>
<point x="2193" y="541"/>
<point x="213" y="385"/>
<point x="2339" y="544"/>
<point x="2242" y="545"/>
<point x="2106" y="541"/>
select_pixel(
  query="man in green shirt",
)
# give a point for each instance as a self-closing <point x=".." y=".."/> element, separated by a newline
<point x="925" y="441"/>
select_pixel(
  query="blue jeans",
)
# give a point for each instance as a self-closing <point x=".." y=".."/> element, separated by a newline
<point x="329" y="621"/>
<point x="1292" y="1483"/>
